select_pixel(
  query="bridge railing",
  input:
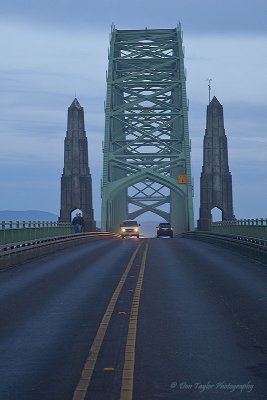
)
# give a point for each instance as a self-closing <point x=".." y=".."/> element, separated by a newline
<point x="256" y="228"/>
<point x="12" y="254"/>
<point x="255" y="248"/>
<point x="19" y="231"/>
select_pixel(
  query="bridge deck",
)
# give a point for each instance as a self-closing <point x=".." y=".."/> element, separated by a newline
<point x="201" y="321"/>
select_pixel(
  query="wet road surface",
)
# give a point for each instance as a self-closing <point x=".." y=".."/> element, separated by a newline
<point x="134" y="319"/>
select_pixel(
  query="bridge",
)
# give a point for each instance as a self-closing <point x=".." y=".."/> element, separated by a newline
<point x="91" y="316"/>
<point x="146" y="148"/>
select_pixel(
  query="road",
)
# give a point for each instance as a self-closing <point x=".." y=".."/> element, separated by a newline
<point x="134" y="319"/>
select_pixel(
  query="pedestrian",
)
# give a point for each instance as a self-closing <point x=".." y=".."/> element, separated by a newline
<point x="81" y="222"/>
<point x="76" y="222"/>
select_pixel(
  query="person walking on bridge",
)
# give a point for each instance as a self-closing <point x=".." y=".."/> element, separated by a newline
<point x="78" y="223"/>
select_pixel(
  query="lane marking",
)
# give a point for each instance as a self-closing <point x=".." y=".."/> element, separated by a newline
<point x="129" y="360"/>
<point x="88" y="369"/>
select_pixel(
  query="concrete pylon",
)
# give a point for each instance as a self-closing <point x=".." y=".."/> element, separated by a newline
<point x="76" y="181"/>
<point x="216" y="179"/>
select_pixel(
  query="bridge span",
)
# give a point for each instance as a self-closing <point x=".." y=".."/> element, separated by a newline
<point x="134" y="319"/>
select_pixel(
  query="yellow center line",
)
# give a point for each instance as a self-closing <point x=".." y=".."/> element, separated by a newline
<point x="88" y="369"/>
<point x="129" y="360"/>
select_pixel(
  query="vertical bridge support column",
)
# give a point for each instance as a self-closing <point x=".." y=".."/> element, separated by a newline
<point x="146" y="150"/>
<point x="76" y="181"/>
<point x="216" y="179"/>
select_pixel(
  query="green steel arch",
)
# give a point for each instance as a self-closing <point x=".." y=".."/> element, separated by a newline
<point x="146" y="148"/>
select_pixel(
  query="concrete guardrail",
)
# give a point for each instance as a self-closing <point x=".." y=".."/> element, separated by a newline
<point x="18" y="231"/>
<point x="252" y="247"/>
<point x="13" y="254"/>
<point x="255" y="228"/>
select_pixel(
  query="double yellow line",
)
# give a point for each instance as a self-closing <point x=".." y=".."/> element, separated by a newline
<point x="129" y="360"/>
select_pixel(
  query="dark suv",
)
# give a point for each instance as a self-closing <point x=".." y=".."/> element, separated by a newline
<point x="164" y="229"/>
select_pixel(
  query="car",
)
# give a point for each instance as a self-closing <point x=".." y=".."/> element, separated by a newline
<point x="164" y="229"/>
<point x="129" y="228"/>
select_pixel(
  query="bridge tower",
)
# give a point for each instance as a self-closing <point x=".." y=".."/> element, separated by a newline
<point x="216" y="179"/>
<point x="146" y="148"/>
<point x="76" y="182"/>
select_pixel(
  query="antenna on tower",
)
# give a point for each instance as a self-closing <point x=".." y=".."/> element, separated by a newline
<point x="209" y="79"/>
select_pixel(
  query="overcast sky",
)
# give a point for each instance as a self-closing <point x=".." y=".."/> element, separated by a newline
<point x="52" y="51"/>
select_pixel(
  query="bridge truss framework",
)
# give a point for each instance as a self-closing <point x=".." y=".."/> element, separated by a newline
<point x="146" y="148"/>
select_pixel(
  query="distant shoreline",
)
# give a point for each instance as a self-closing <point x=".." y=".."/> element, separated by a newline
<point x="27" y="215"/>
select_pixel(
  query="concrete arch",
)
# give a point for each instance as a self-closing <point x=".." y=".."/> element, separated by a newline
<point x="215" y="213"/>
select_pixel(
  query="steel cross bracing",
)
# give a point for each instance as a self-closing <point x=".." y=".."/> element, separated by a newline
<point x="146" y="147"/>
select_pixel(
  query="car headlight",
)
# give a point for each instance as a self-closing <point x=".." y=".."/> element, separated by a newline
<point x="123" y="229"/>
<point x="136" y="229"/>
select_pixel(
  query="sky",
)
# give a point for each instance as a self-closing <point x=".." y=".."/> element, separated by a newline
<point x="54" y="51"/>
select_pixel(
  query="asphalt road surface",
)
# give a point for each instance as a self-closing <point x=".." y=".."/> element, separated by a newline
<point x="134" y="319"/>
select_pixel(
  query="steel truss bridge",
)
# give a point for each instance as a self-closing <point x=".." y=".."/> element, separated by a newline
<point x="146" y="148"/>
